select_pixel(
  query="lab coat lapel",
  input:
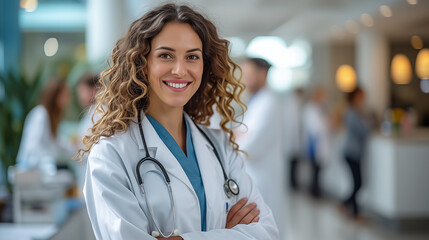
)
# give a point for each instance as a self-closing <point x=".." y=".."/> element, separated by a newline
<point x="160" y="152"/>
<point x="207" y="163"/>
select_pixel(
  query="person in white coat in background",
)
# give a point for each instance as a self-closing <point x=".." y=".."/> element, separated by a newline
<point x="155" y="169"/>
<point x="262" y="138"/>
<point x="316" y="137"/>
<point x="40" y="143"/>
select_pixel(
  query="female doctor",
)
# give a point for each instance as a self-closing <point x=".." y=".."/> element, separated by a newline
<point x="154" y="167"/>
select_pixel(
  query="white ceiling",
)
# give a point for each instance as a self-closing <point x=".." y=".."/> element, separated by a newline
<point x="311" y="19"/>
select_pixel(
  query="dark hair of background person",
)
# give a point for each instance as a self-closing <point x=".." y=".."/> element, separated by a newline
<point x="49" y="99"/>
<point x="260" y="63"/>
<point x="351" y="95"/>
<point x="125" y="86"/>
<point x="90" y="80"/>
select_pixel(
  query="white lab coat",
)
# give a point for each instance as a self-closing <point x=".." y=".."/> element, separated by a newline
<point x="38" y="145"/>
<point x="263" y="141"/>
<point x="116" y="204"/>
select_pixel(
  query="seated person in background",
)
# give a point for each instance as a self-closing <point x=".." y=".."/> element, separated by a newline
<point x="39" y="139"/>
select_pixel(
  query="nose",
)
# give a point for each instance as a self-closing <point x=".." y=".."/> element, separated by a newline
<point x="179" y="68"/>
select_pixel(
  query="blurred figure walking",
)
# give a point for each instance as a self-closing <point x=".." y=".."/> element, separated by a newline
<point x="316" y="138"/>
<point x="357" y="131"/>
<point x="263" y="140"/>
<point x="293" y="135"/>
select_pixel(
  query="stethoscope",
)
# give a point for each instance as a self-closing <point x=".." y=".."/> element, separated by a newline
<point x="230" y="186"/>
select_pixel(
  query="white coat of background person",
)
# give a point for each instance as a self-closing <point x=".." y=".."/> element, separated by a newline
<point x="262" y="138"/>
<point x="169" y="70"/>
<point x="40" y="142"/>
<point x="316" y="137"/>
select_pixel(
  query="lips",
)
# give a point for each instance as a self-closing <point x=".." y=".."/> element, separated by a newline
<point x="177" y="84"/>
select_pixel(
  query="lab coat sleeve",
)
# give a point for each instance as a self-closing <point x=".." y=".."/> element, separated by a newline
<point x="266" y="227"/>
<point x="112" y="207"/>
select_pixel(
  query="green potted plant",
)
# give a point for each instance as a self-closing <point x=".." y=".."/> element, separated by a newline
<point x="18" y="95"/>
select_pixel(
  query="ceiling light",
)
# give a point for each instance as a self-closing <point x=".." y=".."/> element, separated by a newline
<point x="422" y="64"/>
<point x="51" y="47"/>
<point x="367" y="20"/>
<point x="386" y="11"/>
<point x="346" y="78"/>
<point x="412" y="2"/>
<point x="401" y="69"/>
<point x="416" y="42"/>
<point x="28" y="5"/>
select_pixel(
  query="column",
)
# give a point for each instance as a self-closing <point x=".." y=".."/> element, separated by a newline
<point x="106" y="23"/>
<point x="10" y="36"/>
<point x="372" y="66"/>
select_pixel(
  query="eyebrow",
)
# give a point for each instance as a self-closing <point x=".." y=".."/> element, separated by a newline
<point x="171" y="49"/>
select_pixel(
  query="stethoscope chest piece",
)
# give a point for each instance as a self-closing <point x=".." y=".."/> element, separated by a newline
<point x="231" y="188"/>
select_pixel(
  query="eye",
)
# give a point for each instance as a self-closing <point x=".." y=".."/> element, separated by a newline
<point x="193" y="57"/>
<point x="165" y="56"/>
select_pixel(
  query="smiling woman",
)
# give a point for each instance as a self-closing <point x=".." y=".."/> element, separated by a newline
<point x="154" y="167"/>
<point x="175" y="67"/>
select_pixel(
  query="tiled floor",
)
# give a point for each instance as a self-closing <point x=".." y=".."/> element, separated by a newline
<point x="308" y="219"/>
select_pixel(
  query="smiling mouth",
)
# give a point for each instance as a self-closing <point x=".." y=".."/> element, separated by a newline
<point x="177" y="85"/>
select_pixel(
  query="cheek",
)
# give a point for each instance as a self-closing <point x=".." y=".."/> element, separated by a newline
<point x="155" y="73"/>
<point x="197" y="73"/>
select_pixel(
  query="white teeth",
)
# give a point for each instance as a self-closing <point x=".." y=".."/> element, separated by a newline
<point x="176" y="85"/>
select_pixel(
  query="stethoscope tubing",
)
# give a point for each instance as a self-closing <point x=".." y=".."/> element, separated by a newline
<point x="227" y="188"/>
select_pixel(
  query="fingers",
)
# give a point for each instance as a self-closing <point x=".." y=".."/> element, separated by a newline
<point x="250" y="216"/>
<point x="242" y="213"/>
<point x="256" y="219"/>
<point x="235" y="208"/>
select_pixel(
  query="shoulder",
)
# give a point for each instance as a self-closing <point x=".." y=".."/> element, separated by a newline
<point x="38" y="112"/>
<point x="119" y="144"/>
<point x="215" y="134"/>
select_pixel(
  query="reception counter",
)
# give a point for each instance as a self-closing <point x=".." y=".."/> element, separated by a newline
<point x="397" y="175"/>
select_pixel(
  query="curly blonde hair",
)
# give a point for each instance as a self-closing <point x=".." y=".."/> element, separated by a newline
<point x="125" y="86"/>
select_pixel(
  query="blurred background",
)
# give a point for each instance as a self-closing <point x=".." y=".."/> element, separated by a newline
<point x="321" y="51"/>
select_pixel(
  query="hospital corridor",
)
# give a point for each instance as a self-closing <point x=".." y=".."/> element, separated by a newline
<point x="191" y="119"/>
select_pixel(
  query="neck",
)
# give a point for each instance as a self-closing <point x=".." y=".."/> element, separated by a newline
<point x="172" y="120"/>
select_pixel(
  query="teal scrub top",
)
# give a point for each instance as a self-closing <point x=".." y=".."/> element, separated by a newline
<point x="189" y="163"/>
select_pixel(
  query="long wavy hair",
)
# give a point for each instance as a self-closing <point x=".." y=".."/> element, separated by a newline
<point x="125" y="86"/>
<point x="49" y="98"/>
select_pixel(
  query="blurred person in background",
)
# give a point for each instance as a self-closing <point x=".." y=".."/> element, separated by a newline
<point x="316" y="138"/>
<point x="358" y="127"/>
<point x="40" y="139"/>
<point x="86" y="90"/>
<point x="293" y="134"/>
<point x="262" y="140"/>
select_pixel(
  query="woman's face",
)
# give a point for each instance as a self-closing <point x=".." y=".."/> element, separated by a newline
<point x="174" y="66"/>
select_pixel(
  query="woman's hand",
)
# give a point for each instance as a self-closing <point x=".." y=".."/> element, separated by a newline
<point x="241" y="213"/>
